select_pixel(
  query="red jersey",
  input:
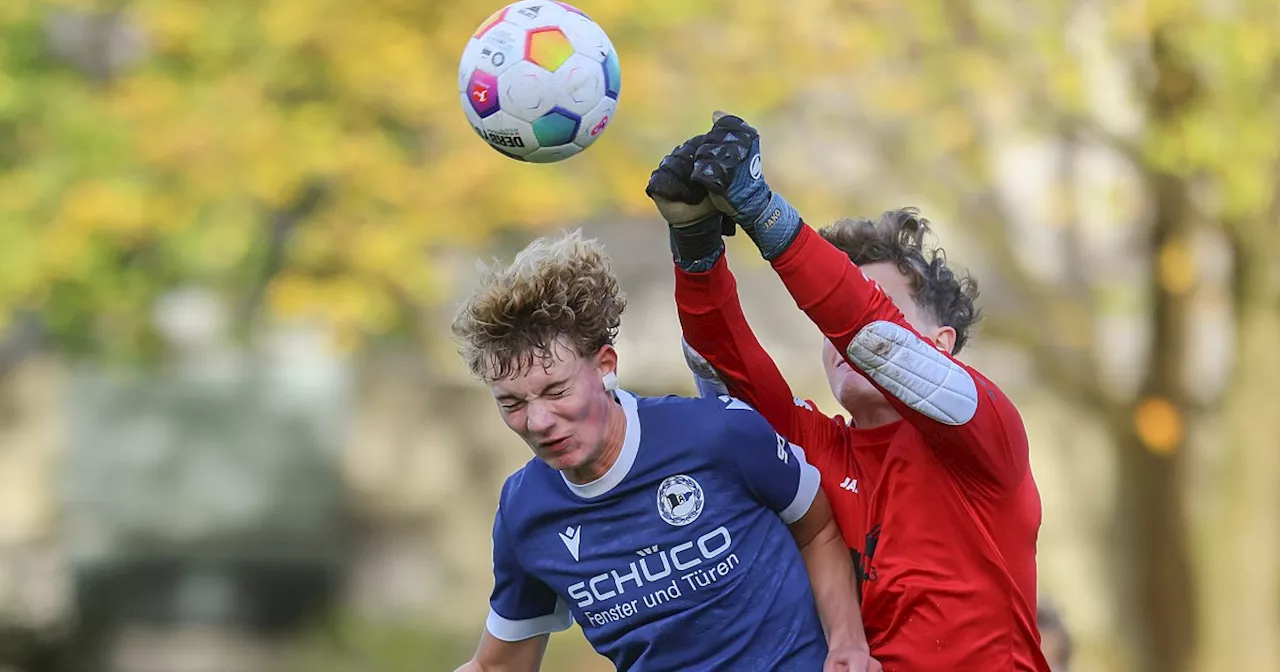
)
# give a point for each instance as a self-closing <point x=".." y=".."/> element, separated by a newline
<point x="940" y="507"/>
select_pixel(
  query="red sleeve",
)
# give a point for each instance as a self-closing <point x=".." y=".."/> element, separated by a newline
<point x="966" y="419"/>
<point x="715" y="327"/>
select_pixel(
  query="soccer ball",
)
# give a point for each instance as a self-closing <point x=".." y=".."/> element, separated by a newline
<point x="539" y="81"/>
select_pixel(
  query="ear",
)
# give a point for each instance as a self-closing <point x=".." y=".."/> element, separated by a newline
<point x="607" y="367"/>
<point x="945" y="339"/>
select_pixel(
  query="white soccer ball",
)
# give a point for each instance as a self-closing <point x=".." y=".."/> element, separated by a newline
<point x="539" y="81"/>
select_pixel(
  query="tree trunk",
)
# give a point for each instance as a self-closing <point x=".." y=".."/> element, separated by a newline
<point x="1155" y="573"/>
<point x="1154" y="580"/>
<point x="1154" y="549"/>
<point x="1241" y="622"/>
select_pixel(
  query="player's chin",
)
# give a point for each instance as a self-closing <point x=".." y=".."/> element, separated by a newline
<point x="562" y="457"/>
<point x="853" y="390"/>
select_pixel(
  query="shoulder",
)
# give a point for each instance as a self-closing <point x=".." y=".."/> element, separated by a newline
<point x="521" y="492"/>
<point x="720" y="413"/>
<point x="742" y="419"/>
<point x="673" y="404"/>
<point x="718" y="426"/>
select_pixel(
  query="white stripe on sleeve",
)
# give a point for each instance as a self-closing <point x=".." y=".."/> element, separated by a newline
<point x="806" y="490"/>
<point x="514" y="631"/>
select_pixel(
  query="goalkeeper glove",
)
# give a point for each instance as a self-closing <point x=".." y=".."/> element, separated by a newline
<point x="728" y="166"/>
<point x="694" y="222"/>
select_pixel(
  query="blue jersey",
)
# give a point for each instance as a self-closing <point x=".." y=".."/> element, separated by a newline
<point x="678" y="557"/>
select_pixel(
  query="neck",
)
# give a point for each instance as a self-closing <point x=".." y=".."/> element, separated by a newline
<point x="873" y="414"/>
<point x="615" y="434"/>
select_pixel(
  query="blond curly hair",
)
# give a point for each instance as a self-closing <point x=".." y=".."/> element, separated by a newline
<point x="556" y="286"/>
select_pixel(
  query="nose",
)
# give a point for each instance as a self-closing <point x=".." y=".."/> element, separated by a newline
<point x="538" y="417"/>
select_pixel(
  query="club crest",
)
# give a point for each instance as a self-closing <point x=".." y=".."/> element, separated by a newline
<point x="680" y="500"/>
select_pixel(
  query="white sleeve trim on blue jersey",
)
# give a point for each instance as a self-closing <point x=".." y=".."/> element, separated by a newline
<point x="806" y="490"/>
<point x="513" y="631"/>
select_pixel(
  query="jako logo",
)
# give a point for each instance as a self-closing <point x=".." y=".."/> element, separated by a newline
<point x="757" y="168"/>
<point x="773" y="219"/>
<point x="653" y="565"/>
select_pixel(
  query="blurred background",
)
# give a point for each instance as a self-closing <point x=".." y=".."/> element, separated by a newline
<point x="234" y="435"/>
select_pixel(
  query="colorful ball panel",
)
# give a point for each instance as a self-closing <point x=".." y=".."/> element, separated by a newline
<point x="476" y="121"/>
<point x="482" y="93"/>
<point x="612" y="75"/>
<point x="557" y="127"/>
<point x="548" y="47"/>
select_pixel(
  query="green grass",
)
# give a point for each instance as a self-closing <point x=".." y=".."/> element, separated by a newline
<point x="347" y="643"/>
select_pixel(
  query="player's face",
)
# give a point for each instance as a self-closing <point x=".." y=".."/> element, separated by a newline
<point x="560" y="410"/>
<point x="851" y="388"/>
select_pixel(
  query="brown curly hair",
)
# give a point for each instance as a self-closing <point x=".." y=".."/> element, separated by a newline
<point x="899" y="237"/>
<point x="556" y="286"/>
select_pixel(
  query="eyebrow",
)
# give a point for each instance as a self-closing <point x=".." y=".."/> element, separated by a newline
<point x="548" y="386"/>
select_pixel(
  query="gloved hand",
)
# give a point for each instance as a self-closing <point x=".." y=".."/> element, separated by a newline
<point x="728" y="165"/>
<point x="695" y="223"/>
<point x="681" y="202"/>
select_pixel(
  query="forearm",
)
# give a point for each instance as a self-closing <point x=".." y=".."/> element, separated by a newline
<point x="830" y="289"/>
<point x="834" y="587"/>
<point x="715" y="327"/>
<point x="477" y="666"/>
<point x="496" y="655"/>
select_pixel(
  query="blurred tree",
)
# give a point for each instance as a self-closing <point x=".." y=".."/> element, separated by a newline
<point x="309" y="157"/>
<point x="306" y="156"/>
<point x="1161" y="118"/>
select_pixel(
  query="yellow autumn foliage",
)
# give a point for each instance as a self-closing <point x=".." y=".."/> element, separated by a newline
<point x="342" y="120"/>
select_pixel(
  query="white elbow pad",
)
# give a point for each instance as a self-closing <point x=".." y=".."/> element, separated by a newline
<point x="915" y="372"/>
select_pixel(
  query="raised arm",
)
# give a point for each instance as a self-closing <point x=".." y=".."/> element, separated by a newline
<point x="716" y="329"/>
<point x="968" y="420"/>
<point x="720" y="347"/>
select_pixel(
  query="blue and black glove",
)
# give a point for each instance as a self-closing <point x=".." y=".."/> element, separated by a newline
<point x="728" y="166"/>
<point x="694" y="222"/>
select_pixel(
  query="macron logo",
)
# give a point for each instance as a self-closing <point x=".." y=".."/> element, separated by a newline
<point x="572" y="536"/>
<point x="734" y="404"/>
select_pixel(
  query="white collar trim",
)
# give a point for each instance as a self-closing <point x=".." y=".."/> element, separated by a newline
<point x="626" y="458"/>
